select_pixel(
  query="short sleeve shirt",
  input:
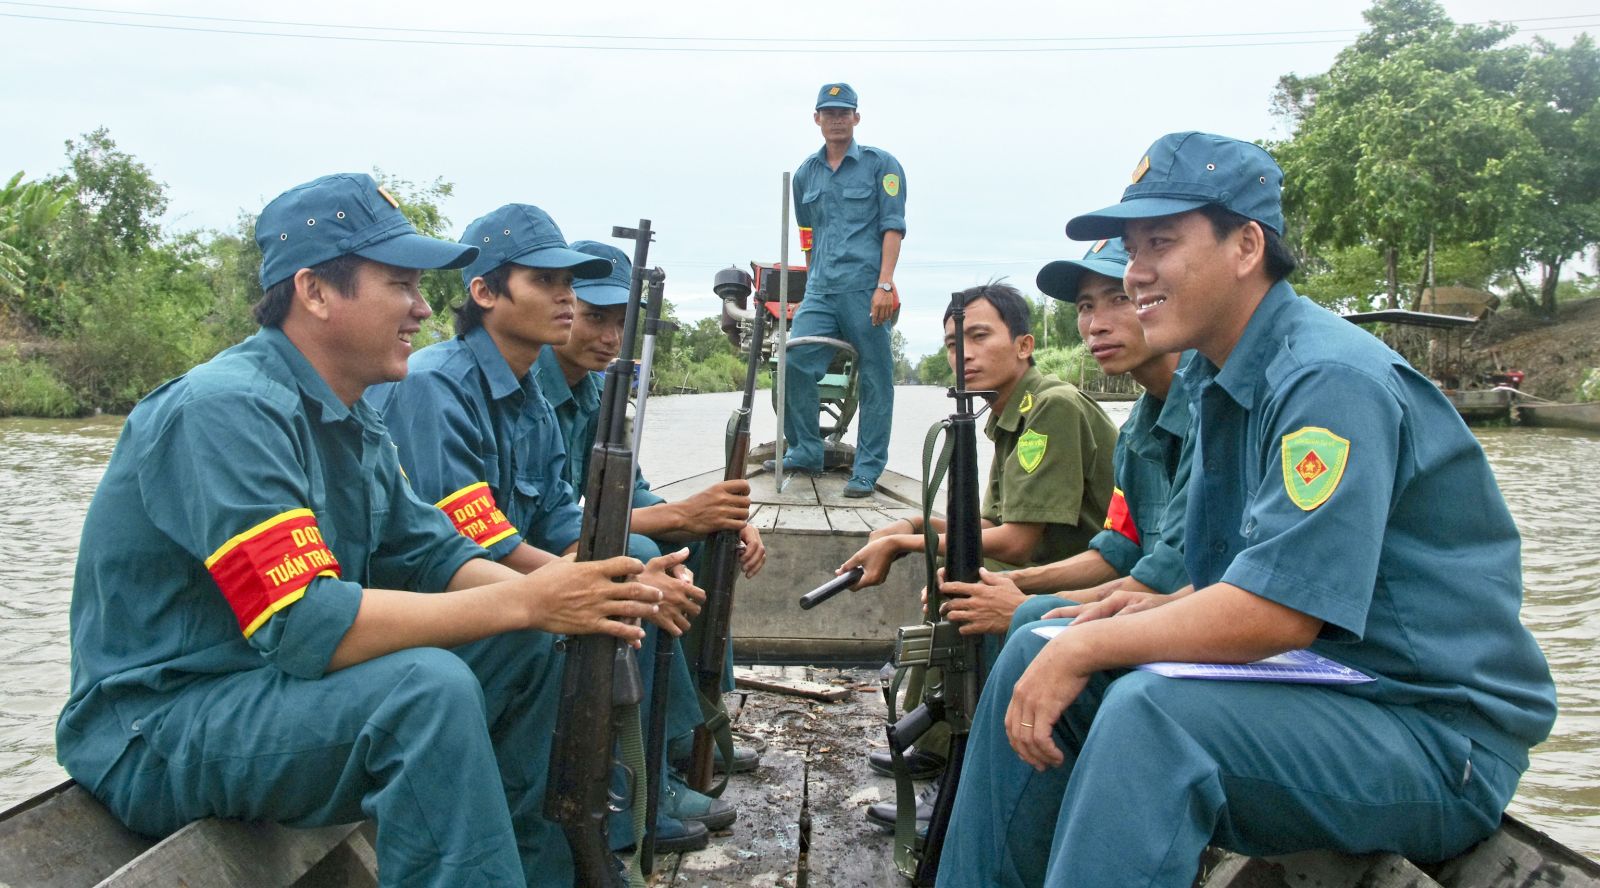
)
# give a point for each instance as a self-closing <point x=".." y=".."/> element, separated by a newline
<point x="577" y="409"/>
<point x="1052" y="464"/>
<point x="1332" y="478"/>
<point x="482" y="445"/>
<point x="848" y="211"/>
<point x="1143" y="535"/>
<point x="242" y="512"/>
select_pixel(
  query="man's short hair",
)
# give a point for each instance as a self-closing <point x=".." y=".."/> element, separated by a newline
<point x="469" y="314"/>
<point x="1008" y="302"/>
<point x="1280" y="263"/>
<point x="338" y="273"/>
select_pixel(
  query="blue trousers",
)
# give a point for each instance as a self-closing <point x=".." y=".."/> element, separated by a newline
<point x="1157" y="768"/>
<point x="846" y="316"/>
<point x="447" y="751"/>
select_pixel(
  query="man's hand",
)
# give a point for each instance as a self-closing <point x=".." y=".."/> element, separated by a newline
<point x="680" y="597"/>
<point x="1122" y="601"/>
<point x="875" y="558"/>
<point x="883" y="303"/>
<point x="586" y="598"/>
<point x="984" y="607"/>
<point x="894" y="528"/>
<point x="752" y="551"/>
<point x="724" y="505"/>
<point x="1045" y="690"/>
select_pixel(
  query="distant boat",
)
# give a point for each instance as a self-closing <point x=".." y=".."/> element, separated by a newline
<point x="1585" y="417"/>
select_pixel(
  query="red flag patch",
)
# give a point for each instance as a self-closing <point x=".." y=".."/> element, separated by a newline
<point x="1119" y="519"/>
<point x="473" y="511"/>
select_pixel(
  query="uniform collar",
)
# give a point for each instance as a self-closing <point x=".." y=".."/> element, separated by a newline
<point x="312" y="386"/>
<point x="1175" y="414"/>
<point x="1023" y="393"/>
<point x="1247" y="363"/>
<point x="492" y="363"/>
<point x="854" y="151"/>
<point x="553" y="382"/>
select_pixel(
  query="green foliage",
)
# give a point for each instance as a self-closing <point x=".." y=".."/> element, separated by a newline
<point x="27" y="210"/>
<point x="1072" y="363"/>
<point x="1589" y="388"/>
<point x="419" y="201"/>
<point x="31" y="388"/>
<point x="897" y="351"/>
<point x="1054" y="323"/>
<point x="934" y="369"/>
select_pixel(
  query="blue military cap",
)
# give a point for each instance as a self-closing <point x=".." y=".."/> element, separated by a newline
<point x="341" y="215"/>
<point x="522" y="234"/>
<point x="1060" y="278"/>
<point x="1186" y="171"/>
<point x="611" y="289"/>
<point x="836" y="95"/>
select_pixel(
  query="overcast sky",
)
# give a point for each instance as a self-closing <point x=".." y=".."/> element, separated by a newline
<point x="999" y="148"/>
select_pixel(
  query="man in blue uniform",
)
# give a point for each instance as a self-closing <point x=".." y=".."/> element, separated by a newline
<point x="850" y="201"/>
<point x="476" y="436"/>
<point x="1338" y="503"/>
<point x="1140" y="550"/>
<point x="241" y="644"/>
<point x="569" y="376"/>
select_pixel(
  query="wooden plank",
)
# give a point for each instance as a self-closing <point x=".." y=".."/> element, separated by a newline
<point x="64" y="837"/>
<point x="849" y="520"/>
<point x="764" y="517"/>
<point x="902" y="490"/>
<point x="1519" y="855"/>
<point x="888" y="514"/>
<point x="803" y="520"/>
<point x="751" y="680"/>
<point x="231" y="854"/>
<point x="1315" y="869"/>
<point x="686" y="487"/>
<point x="352" y="863"/>
<point x="798" y="490"/>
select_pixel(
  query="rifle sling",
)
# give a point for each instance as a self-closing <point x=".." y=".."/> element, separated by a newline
<point x="714" y="717"/>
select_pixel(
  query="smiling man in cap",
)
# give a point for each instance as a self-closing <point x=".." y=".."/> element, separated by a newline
<point x="1337" y="503"/>
<point x="850" y="202"/>
<point x="241" y="644"/>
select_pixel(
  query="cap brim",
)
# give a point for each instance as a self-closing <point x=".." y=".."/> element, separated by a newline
<point x="601" y="293"/>
<point x="1059" y="279"/>
<point x="418" y="251"/>
<point x="835" y="105"/>
<point x="1110" y="221"/>
<point x="583" y="265"/>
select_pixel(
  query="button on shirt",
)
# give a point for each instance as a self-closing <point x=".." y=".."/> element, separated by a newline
<point x="203" y="463"/>
<point x="1412" y="561"/>
<point x="577" y="410"/>
<point x="461" y="418"/>
<point x="1152" y="460"/>
<point x="848" y="211"/>
<point x="1052" y="464"/>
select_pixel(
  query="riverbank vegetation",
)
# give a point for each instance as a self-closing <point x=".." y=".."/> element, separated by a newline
<point x="1430" y="156"/>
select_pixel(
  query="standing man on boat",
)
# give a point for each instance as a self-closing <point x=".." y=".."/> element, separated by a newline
<point x="1340" y="504"/>
<point x="241" y="646"/>
<point x="477" y="438"/>
<point x="568" y="374"/>
<point x="850" y="202"/>
<point x="1140" y="550"/>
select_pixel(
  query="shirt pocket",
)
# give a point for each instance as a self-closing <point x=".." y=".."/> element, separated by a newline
<point x="528" y="500"/>
<point x="857" y="202"/>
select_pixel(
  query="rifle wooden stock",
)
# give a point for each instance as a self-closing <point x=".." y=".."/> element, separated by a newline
<point x="722" y="571"/>
<point x="600" y="680"/>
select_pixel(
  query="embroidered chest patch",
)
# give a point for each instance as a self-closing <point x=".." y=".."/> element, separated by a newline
<point x="1313" y="464"/>
<point x="1030" y="450"/>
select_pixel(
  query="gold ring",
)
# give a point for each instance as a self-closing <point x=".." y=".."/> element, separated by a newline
<point x="1026" y="725"/>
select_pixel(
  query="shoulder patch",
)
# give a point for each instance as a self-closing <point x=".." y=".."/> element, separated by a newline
<point x="1030" y="450"/>
<point x="1027" y="403"/>
<point x="891" y="184"/>
<point x="1313" y="464"/>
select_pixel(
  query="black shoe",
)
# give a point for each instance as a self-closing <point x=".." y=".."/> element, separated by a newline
<point x="881" y="814"/>
<point x="674" y="836"/>
<point x="923" y="765"/>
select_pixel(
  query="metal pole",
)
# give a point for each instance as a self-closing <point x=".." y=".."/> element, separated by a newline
<point x="783" y="334"/>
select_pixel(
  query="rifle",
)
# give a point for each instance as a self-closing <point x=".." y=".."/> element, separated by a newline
<point x="950" y="663"/>
<point x="600" y="684"/>
<point x="722" y="557"/>
<point x="656" y="733"/>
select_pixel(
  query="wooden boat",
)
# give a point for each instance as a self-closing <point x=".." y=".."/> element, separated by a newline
<point x="1585" y="417"/>
<point x="800" y="823"/>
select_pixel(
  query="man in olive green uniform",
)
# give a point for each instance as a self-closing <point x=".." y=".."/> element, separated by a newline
<point x="1049" y="485"/>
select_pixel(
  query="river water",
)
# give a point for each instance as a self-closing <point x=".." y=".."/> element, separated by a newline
<point x="49" y="469"/>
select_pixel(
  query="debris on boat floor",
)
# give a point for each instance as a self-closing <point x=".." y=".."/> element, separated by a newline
<point x="802" y="812"/>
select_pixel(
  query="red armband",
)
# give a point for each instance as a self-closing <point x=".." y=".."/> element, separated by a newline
<point x="805" y="239"/>
<point x="268" y="567"/>
<point x="1119" y="519"/>
<point x="473" y="511"/>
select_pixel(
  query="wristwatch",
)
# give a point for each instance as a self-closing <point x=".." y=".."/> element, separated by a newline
<point x="886" y="287"/>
